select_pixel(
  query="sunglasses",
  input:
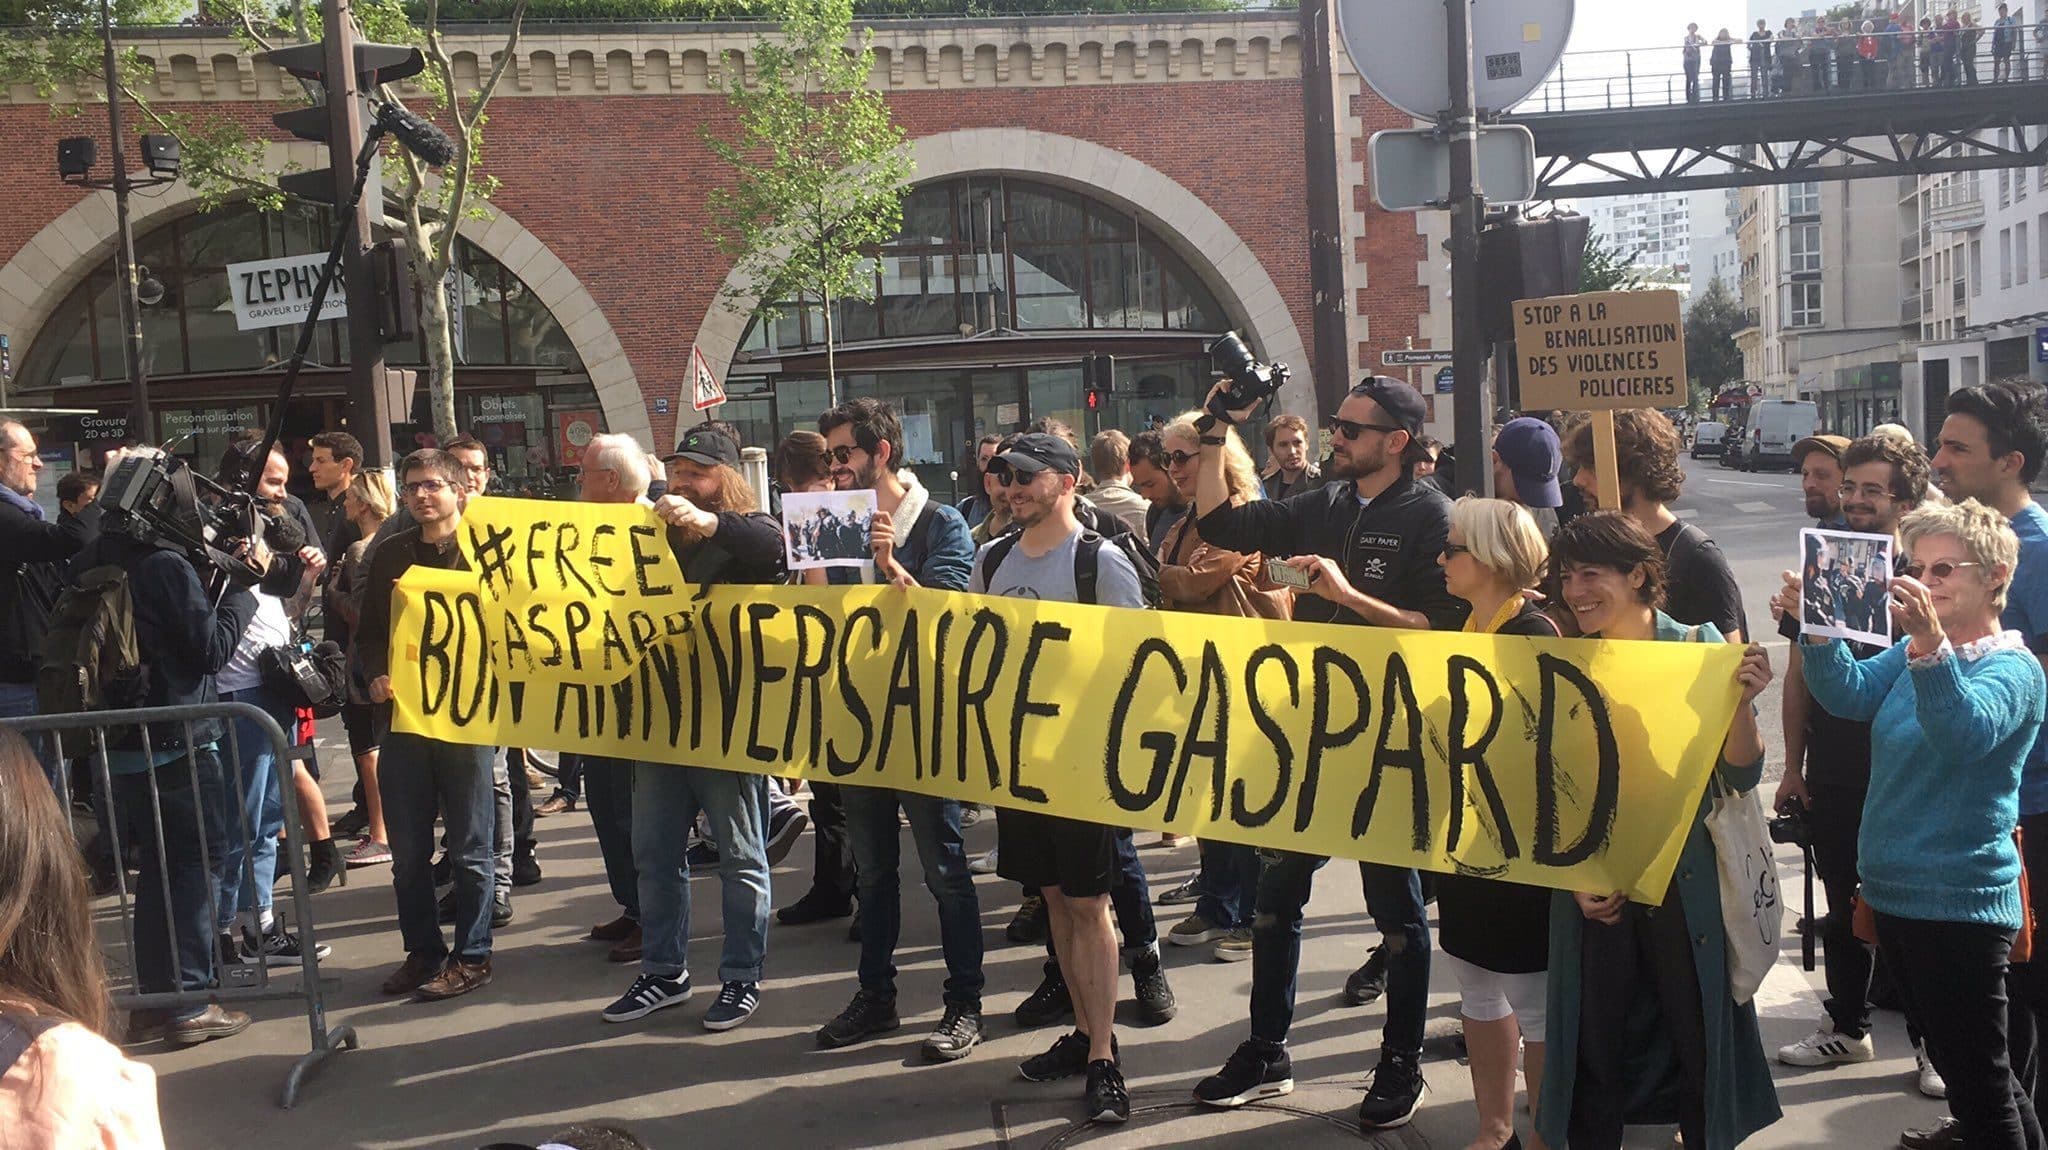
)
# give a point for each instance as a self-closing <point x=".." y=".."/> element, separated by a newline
<point x="1352" y="430"/>
<point x="1451" y="549"/>
<point x="1008" y="476"/>
<point x="840" y="454"/>
<point x="1180" y="458"/>
<point x="1941" y="570"/>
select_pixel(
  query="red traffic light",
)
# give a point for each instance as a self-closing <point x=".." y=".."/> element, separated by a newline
<point x="1094" y="400"/>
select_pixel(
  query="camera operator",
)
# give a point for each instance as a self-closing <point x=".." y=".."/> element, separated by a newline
<point x="1369" y="542"/>
<point x="32" y="550"/>
<point x="173" y="775"/>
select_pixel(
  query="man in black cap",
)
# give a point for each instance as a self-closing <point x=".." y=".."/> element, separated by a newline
<point x="1526" y="460"/>
<point x="1369" y="543"/>
<point x="1073" y="864"/>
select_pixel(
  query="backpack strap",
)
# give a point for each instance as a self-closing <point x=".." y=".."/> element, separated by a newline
<point x="997" y="552"/>
<point x="18" y="1033"/>
<point x="1087" y="564"/>
<point x="1689" y="541"/>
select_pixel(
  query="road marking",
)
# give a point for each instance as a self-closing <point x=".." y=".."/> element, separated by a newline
<point x="1754" y="508"/>
<point x="1745" y="483"/>
<point x="1685" y="513"/>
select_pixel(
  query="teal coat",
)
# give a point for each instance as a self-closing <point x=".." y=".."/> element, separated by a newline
<point x="1741" y="1099"/>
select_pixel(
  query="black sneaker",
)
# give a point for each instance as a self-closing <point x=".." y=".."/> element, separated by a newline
<point x="1156" y="1006"/>
<point x="958" y="1032"/>
<point x="649" y="993"/>
<point x="1368" y="982"/>
<point x="1397" y="1093"/>
<point x="1255" y="1070"/>
<point x="280" y="947"/>
<point x="1027" y="926"/>
<point x="525" y="869"/>
<point x="1108" y="1101"/>
<point x="1066" y="1057"/>
<point x="1048" y="1004"/>
<point x="785" y="826"/>
<point x="355" y="822"/>
<point x="702" y="855"/>
<point x="228" y="948"/>
<point x="867" y="1015"/>
<point x="816" y="905"/>
<point x="444" y="870"/>
<point x="501" y="909"/>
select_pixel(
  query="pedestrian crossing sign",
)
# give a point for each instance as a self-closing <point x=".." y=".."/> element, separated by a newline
<point x="706" y="390"/>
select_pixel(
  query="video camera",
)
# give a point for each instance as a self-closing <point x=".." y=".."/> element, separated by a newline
<point x="156" y="498"/>
<point x="1250" y="380"/>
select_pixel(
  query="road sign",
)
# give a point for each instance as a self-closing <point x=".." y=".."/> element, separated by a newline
<point x="1414" y="356"/>
<point x="1444" y="378"/>
<point x="1601" y="351"/>
<point x="1401" y="48"/>
<point x="1411" y="167"/>
<point x="706" y="389"/>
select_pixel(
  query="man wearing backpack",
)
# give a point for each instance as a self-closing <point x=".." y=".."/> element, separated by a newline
<point x="32" y="549"/>
<point x="917" y="542"/>
<point x="1369" y="543"/>
<point x="1073" y="864"/>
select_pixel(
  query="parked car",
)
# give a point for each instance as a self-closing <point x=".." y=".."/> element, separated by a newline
<point x="1708" y="439"/>
<point x="1773" y="427"/>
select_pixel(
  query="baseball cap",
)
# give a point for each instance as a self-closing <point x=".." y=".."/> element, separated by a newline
<point x="1834" y="445"/>
<point x="1041" y="451"/>
<point x="709" y="448"/>
<point x="1401" y="402"/>
<point x="1530" y="449"/>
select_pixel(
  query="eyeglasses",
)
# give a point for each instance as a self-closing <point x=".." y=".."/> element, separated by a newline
<point x="1009" y="476"/>
<point x="840" y="454"/>
<point x="1352" y="430"/>
<point x="1451" y="549"/>
<point x="1180" y="458"/>
<point x="423" y="486"/>
<point x="1870" y="491"/>
<point x="1940" y="571"/>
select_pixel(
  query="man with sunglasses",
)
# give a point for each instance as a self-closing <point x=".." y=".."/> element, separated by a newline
<point x="420" y="775"/>
<point x="1827" y="757"/>
<point x="1073" y="864"/>
<point x="1368" y="541"/>
<point x="917" y="542"/>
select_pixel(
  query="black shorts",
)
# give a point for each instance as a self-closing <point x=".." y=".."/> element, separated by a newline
<point x="365" y="724"/>
<point x="1041" y="850"/>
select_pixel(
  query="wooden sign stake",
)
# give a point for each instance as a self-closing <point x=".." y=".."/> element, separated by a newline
<point x="1605" y="466"/>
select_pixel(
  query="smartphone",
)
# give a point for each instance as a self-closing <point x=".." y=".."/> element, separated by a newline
<point x="1286" y="576"/>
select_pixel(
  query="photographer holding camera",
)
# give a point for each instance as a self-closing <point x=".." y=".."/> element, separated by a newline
<point x="1367" y="544"/>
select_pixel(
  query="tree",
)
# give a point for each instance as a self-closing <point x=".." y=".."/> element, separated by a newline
<point x="819" y="168"/>
<point x="1711" y="357"/>
<point x="58" y="51"/>
<point x="1606" y="269"/>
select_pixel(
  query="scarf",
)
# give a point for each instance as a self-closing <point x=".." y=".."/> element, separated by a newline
<point x="29" y="507"/>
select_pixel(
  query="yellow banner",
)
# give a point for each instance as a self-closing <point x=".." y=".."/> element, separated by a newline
<point x="1575" y="764"/>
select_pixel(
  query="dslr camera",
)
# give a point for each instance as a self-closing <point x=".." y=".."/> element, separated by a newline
<point x="1790" y="828"/>
<point x="155" y="497"/>
<point x="1250" y="380"/>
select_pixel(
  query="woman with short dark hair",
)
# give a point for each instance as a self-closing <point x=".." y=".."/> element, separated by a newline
<point x="1613" y="959"/>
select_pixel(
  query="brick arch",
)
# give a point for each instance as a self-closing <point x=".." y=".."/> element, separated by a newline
<point x="1188" y="225"/>
<point x="58" y="257"/>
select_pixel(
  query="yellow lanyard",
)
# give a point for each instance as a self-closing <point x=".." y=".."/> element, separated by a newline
<point x="1508" y="610"/>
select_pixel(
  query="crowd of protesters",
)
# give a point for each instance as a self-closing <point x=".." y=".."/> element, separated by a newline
<point x="1915" y="766"/>
<point x="1879" y="50"/>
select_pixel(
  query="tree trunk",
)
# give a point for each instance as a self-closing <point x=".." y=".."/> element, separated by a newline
<point x="831" y="362"/>
<point x="437" y="336"/>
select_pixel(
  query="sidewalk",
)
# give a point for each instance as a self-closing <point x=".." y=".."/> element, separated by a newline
<point x="529" y="1055"/>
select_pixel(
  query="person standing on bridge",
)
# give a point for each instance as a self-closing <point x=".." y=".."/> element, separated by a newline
<point x="1928" y="43"/>
<point x="2004" y="34"/>
<point x="1760" y="60"/>
<point x="1820" y="57"/>
<point x="1693" y="43"/>
<point x="1971" y="37"/>
<point x="1723" y="61"/>
<point x="1867" y="59"/>
<point x="1787" y="75"/>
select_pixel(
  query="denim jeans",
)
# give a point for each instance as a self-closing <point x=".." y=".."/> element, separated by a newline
<point x="501" y="818"/>
<point x="417" y="776"/>
<point x="1229" y="879"/>
<point x="877" y="848"/>
<point x="1393" y="897"/>
<point x="18" y="701"/>
<point x="608" y="786"/>
<point x="255" y="808"/>
<point x="174" y="936"/>
<point x="666" y="801"/>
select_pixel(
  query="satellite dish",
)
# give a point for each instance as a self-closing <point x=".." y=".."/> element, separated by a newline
<point x="1399" y="46"/>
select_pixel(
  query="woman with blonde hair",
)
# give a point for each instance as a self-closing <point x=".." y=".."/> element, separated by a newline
<point x="62" y="1085"/>
<point x="1495" y="934"/>
<point x="368" y="502"/>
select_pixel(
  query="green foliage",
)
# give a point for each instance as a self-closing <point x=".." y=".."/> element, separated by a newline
<point x="1711" y="357"/>
<point x="597" y="11"/>
<point x="820" y="168"/>
<point x="1606" y="269"/>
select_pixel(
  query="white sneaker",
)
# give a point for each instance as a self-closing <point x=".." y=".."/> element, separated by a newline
<point x="1929" y="1078"/>
<point x="986" y="864"/>
<point x="1824" y="1047"/>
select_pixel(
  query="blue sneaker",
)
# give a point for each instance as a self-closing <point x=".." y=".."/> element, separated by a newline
<point x="736" y="1003"/>
<point x="649" y="993"/>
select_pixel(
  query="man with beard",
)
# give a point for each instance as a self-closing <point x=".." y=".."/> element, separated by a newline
<point x="1827" y="764"/>
<point x="1369" y="542"/>
<point x="1819" y="460"/>
<point x="917" y="542"/>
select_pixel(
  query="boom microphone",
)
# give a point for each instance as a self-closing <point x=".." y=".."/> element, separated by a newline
<point x="419" y="135"/>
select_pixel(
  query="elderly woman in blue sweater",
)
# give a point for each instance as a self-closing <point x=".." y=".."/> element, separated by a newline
<point x="1954" y="708"/>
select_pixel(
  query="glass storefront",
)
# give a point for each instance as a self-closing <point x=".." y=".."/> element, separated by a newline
<point x="987" y="272"/>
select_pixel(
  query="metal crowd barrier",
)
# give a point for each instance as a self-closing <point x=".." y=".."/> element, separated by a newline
<point x="230" y="983"/>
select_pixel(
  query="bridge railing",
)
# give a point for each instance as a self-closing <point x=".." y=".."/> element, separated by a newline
<point x="1799" y="65"/>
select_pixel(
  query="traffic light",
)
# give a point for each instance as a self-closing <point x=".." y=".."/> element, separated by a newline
<point x="1520" y="259"/>
<point x="391" y="272"/>
<point x="1094" y="400"/>
<point x="375" y="64"/>
<point x="1098" y="378"/>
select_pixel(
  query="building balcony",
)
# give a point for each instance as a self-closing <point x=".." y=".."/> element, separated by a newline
<point x="1909" y="248"/>
<point x="1751" y="318"/>
<point x="1909" y="310"/>
<point x="1956" y="206"/>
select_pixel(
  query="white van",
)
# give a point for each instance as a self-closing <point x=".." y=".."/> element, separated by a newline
<point x="1774" y="426"/>
<point x="1708" y="439"/>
